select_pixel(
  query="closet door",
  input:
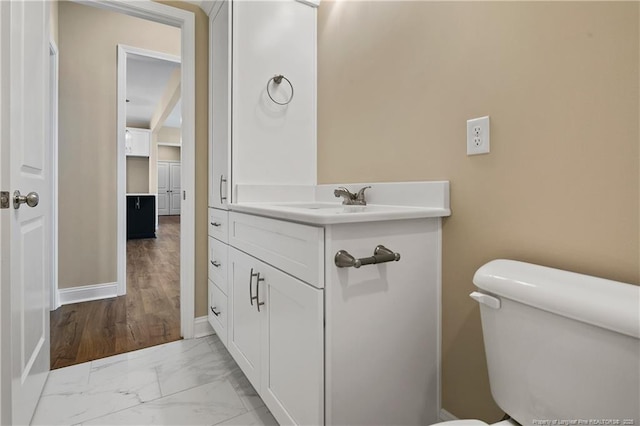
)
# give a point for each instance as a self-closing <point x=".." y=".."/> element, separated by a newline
<point x="163" y="188"/>
<point x="174" y="188"/>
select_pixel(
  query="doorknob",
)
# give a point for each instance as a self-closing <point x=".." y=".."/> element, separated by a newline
<point x="31" y="199"/>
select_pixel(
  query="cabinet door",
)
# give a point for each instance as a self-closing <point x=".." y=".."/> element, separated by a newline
<point x="220" y="104"/>
<point x="292" y="348"/>
<point x="137" y="142"/>
<point x="244" y="319"/>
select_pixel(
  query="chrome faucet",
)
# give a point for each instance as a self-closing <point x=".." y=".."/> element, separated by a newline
<point x="351" y="199"/>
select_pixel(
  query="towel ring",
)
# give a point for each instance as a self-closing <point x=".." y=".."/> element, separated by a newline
<point x="277" y="79"/>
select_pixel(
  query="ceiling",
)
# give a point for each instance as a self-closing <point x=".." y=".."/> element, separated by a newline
<point x="147" y="80"/>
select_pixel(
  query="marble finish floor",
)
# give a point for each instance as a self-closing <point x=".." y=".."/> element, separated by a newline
<point x="187" y="382"/>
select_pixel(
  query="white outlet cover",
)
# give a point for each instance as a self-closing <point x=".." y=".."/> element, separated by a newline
<point x="478" y="142"/>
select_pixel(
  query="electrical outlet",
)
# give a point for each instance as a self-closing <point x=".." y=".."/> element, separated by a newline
<point x="478" y="136"/>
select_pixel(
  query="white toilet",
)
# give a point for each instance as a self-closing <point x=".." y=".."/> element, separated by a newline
<point x="562" y="348"/>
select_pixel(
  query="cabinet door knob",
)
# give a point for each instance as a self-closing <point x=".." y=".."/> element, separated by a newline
<point x="216" y="224"/>
<point x="213" y="309"/>
<point x="214" y="263"/>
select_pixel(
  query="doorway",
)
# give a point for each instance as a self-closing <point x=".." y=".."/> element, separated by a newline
<point x="137" y="262"/>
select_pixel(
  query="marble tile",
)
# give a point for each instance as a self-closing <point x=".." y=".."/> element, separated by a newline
<point x="240" y="383"/>
<point x="261" y="416"/>
<point x="148" y="357"/>
<point x="245" y="390"/>
<point x="67" y="379"/>
<point x="199" y="365"/>
<point x="203" y="405"/>
<point x="97" y="397"/>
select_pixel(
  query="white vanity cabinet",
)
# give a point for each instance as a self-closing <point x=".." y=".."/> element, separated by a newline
<point x="137" y="142"/>
<point x="329" y="345"/>
<point x="276" y="337"/>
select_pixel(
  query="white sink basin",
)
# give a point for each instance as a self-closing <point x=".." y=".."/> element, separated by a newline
<point x="310" y="206"/>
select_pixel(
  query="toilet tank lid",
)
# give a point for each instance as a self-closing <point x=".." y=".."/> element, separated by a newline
<point x="597" y="301"/>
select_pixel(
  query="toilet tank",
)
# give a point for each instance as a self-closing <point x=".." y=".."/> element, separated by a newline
<point x="562" y="348"/>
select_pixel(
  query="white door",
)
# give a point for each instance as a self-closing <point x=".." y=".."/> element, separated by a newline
<point x="163" y="188"/>
<point x="292" y="348"/>
<point x="26" y="168"/>
<point x="219" y="180"/>
<point x="243" y="340"/>
<point x="174" y="187"/>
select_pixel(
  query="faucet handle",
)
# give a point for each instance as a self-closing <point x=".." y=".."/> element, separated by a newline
<point x="360" y="194"/>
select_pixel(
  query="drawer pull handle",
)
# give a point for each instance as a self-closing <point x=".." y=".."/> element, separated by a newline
<point x="214" y="311"/>
<point x="222" y="180"/>
<point x="251" y="296"/>
<point x="216" y="224"/>
<point x="214" y="263"/>
<point x="381" y="254"/>
<point x="259" y="303"/>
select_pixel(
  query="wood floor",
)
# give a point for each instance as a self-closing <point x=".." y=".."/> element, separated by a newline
<point x="148" y="315"/>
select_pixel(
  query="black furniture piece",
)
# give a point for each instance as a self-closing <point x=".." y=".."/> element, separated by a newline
<point x="141" y="216"/>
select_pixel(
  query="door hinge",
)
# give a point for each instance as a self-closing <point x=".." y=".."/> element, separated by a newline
<point x="4" y="200"/>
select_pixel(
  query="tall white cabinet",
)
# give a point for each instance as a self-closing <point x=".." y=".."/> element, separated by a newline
<point x="261" y="129"/>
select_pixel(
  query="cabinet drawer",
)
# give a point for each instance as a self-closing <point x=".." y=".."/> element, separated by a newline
<point x="219" y="224"/>
<point x="292" y="247"/>
<point x="218" y="311"/>
<point x="218" y="257"/>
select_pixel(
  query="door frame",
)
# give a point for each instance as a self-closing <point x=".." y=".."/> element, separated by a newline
<point x="184" y="20"/>
<point x="53" y="128"/>
<point x="123" y="52"/>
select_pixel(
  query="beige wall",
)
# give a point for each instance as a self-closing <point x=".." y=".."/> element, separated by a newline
<point x="169" y="135"/>
<point x="397" y="82"/>
<point x="168" y="153"/>
<point x="138" y="175"/>
<point x="87" y="134"/>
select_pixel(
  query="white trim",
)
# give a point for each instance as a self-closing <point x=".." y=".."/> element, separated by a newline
<point x="446" y="416"/>
<point x="53" y="129"/>
<point x="86" y="293"/>
<point x="439" y="317"/>
<point x="185" y="20"/>
<point x="202" y="327"/>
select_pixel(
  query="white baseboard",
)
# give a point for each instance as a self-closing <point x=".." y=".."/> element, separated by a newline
<point x="446" y="416"/>
<point x="201" y="327"/>
<point x="86" y="293"/>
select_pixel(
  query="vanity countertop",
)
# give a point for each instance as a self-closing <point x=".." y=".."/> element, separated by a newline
<point x="333" y="213"/>
<point x="318" y="204"/>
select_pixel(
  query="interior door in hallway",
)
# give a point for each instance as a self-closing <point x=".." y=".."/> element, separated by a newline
<point x="174" y="186"/>
<point x="26" y="249"/>
<point x="169" y="193"/>
<point x="163" y="188"/>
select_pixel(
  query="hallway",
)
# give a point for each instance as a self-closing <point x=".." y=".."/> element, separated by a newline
<point x="148" y="315"/>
